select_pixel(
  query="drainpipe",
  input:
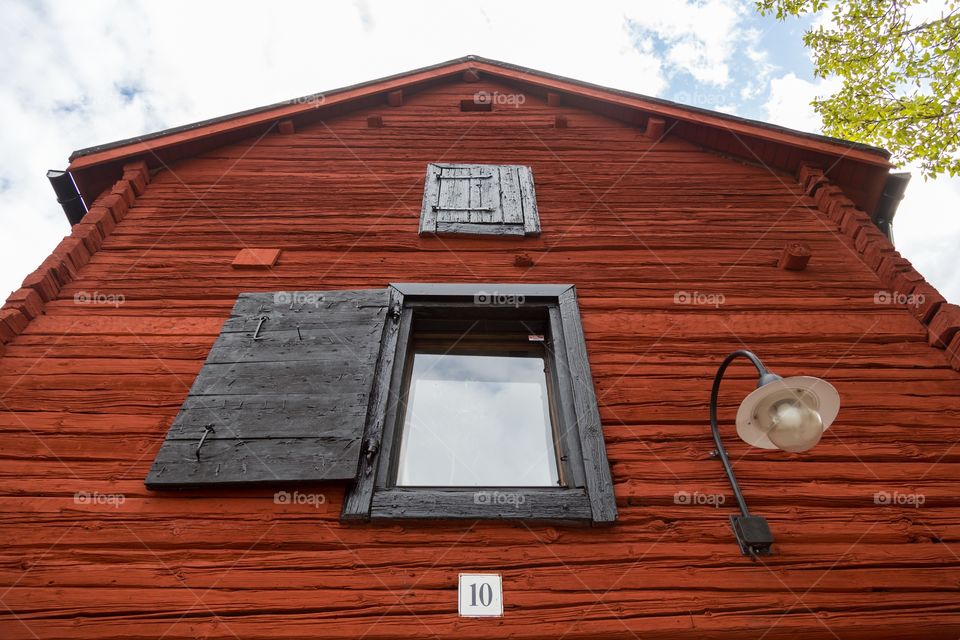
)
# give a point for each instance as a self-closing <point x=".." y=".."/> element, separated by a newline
<point x="67" y="195"/>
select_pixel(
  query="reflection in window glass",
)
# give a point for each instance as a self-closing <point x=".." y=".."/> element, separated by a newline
<point x="477" y="421"/>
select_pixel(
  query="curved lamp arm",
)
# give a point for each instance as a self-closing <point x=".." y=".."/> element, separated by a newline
<point x="752" y="532"/>
<point x="721" y="452"/>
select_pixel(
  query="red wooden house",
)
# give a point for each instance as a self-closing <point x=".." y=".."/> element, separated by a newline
<point x="299" y="368"/>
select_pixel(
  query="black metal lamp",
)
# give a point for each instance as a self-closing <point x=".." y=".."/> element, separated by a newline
<point x="781" y="413"/>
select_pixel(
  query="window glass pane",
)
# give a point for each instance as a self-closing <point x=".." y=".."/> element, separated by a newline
<point x="477" y="421"/>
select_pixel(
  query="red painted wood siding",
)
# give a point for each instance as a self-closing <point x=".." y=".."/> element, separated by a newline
<point x="88" y="391"/>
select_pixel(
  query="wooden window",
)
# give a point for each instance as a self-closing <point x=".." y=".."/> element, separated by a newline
<point x="479" y="199"/>
<point x="496" y="320"/>
<point x="313" y="386"/>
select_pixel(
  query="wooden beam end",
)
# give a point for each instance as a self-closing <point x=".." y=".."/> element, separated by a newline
<point x="795" y="256"/>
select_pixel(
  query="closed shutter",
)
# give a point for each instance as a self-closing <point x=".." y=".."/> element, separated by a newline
<point x="479" y="199"/>
<point x="283" y="394"/>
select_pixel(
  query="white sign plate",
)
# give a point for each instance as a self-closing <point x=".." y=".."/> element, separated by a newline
<point x="480" y="595"/>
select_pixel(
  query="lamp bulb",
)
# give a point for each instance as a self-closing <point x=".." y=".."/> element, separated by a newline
<point x="794" y="426"/>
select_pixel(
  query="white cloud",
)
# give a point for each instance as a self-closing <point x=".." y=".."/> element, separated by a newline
<point x="789" y="101"/>
<point x="700" y="38"/>
<point x="927" y="231"/>
<point x="760" y="67"/>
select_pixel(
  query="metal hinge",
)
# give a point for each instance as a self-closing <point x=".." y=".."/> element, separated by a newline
<point x="480" y="177"/>
<point x="371" y="447"/>
<point x="207" y="430"/>
<point x="256" y="334"/>
<point x="488" y="209"/>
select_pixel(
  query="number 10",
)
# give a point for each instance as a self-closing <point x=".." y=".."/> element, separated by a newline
<point x="486" y="596"/>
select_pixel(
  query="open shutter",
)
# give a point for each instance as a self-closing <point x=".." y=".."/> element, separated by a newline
<point x="283" y="394"/>
<point x="479" y="199"/>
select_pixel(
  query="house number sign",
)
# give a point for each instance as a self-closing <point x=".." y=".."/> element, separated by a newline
<point x="480" y="595"/>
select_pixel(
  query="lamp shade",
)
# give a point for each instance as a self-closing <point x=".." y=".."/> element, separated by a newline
<point x="789" y="413"/>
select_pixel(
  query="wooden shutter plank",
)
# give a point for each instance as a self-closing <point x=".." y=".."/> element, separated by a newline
<point x="461" y="195"/>
<point x="528" y="195"/>
<point x="297" y="377"/>
<point x="284" y="346"/>
<point x="510" y="195"/>
<point x="490" y="195"/>
<point x="453" y="196"/>
<point x="325" y="307"/>
<point x="249" y="461"/>
<point x="445" y="199"/>
<point x="264" y="416"/>
<point x="431" y="197"/>
<point x="285" y="403"/>
<point x="475" y="195"/>
<point x="458" y="228"/>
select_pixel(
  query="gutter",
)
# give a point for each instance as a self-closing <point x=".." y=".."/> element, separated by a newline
<point x="67" y="195"/>
<point x="893" y="192"/>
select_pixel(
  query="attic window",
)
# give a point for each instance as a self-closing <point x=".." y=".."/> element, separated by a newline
<point x="479" y="199"/>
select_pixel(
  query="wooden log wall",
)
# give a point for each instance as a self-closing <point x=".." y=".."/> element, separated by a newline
<point x="674" y="253"/>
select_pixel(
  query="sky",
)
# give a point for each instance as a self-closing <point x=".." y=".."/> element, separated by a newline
<point x="77" y="74"/>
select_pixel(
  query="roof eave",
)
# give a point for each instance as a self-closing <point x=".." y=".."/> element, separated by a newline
<point x="90" y="156"/>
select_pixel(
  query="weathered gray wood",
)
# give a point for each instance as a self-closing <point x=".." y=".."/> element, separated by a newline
<point x="462" y="189"/>
<point x="510" y="195"/>
<point x="341" y="378"/>
<point x="489" y="192"/>
<point x="391" y="428"/>
<point x="531" y="213"/>
<point x="560" y="505"/>
<point x="357" y="501"/>
<point x="454" y="228"/>
<point x="310" y="343"/>
<point x="283" y="394"/>
<point x="253" y="460"/>
<point x="265" y="416"/>
<point x="563" y="401"/>
<point x="431" y="198"/>
<point x="596" y="468"/>
<point x="292" y="309"/>
<point x="423" y="289"/>
<point x="476" y="199"/>
<point x="454" y="192"/>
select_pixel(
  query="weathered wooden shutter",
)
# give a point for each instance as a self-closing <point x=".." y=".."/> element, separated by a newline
<point x="283" y="393"/>
<point x="479" y="199"/>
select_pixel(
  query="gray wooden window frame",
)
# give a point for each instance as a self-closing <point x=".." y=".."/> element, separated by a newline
<point x="588" y="496"/>
<point x="510" y="209"/>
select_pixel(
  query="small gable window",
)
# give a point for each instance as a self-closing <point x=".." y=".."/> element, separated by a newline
<point x="479" y="199"/>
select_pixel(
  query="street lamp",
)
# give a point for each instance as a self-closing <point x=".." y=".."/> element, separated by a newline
<point x="781" y="413"/>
